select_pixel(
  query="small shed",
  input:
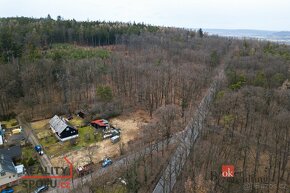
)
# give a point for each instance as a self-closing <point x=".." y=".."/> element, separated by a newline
<point x="82" y="113"/>
<point x="100" y="124"/>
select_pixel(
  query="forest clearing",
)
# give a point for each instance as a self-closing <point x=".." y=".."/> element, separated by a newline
<point x="129" y="124"/>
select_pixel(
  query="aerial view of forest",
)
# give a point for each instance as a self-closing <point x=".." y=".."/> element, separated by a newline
<point x="117" y="106"/>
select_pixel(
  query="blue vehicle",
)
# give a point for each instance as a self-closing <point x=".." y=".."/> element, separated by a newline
<point x="8" y="190"/>
<point x="38" y="149"/>
<point x="106" y="162"/>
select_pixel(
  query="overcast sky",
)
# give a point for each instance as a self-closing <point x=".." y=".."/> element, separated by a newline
<point x="219" y="14"/>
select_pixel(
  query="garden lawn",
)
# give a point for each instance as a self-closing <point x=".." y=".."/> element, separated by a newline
<point x="87" y="136"/>
<point x="53" y="147"/>
<point x="40" y="124"/>
<point x="77" y="121"/>
<point x="10" y="124"/>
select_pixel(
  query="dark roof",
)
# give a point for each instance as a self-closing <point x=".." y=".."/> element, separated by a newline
<point x="58" y="124"/>
<point x="6" y="158"/>
<point x="82" y="111"/>
<point x="16" y="137"/>
<point x="6" y="164"/>
<point x="12" y="152"/>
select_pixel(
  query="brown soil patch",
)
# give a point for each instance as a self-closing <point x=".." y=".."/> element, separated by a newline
<point x="130" y="126"/>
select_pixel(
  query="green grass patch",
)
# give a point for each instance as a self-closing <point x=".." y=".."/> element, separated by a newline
<point x="40" y="124"/>
<point x="30" y="157"/>
<point x="48" y="140"/>
<point x="28" y="152"/>
<point x="52" y="146"/>
<point x="77" y="121"/>
<point x="87" y="136"/>
<point x="11" y="123"/>
<point x="68" y="51"/>
<point x="44" y="134"/>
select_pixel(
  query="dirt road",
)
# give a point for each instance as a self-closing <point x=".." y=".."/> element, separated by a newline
<point x="168" y="177"/>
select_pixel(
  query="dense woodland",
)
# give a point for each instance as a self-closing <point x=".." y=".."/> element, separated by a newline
<point x="21" y="36"/>
<point x="248" y="126"/>
<point x="61" y="66"/>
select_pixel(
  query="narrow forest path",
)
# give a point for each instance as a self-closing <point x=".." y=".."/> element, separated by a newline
<point x="168" y="176"/>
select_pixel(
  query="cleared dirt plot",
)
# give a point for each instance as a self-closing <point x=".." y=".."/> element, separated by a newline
<point x="130" y="125"/>
<point x="88" y="148"/>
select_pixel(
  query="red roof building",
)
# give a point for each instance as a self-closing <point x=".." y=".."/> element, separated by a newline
<point x="100" y="123"/>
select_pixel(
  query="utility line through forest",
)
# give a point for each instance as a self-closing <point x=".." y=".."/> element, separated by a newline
<point x="168" y="176"/>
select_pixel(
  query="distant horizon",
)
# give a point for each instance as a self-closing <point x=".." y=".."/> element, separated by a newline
<point x="266" y="15"/>
<point x="196" y="28"/>
<point x="233" y="29"/>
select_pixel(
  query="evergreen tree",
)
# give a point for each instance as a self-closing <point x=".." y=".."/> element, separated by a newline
<point x="200" y="33"/>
